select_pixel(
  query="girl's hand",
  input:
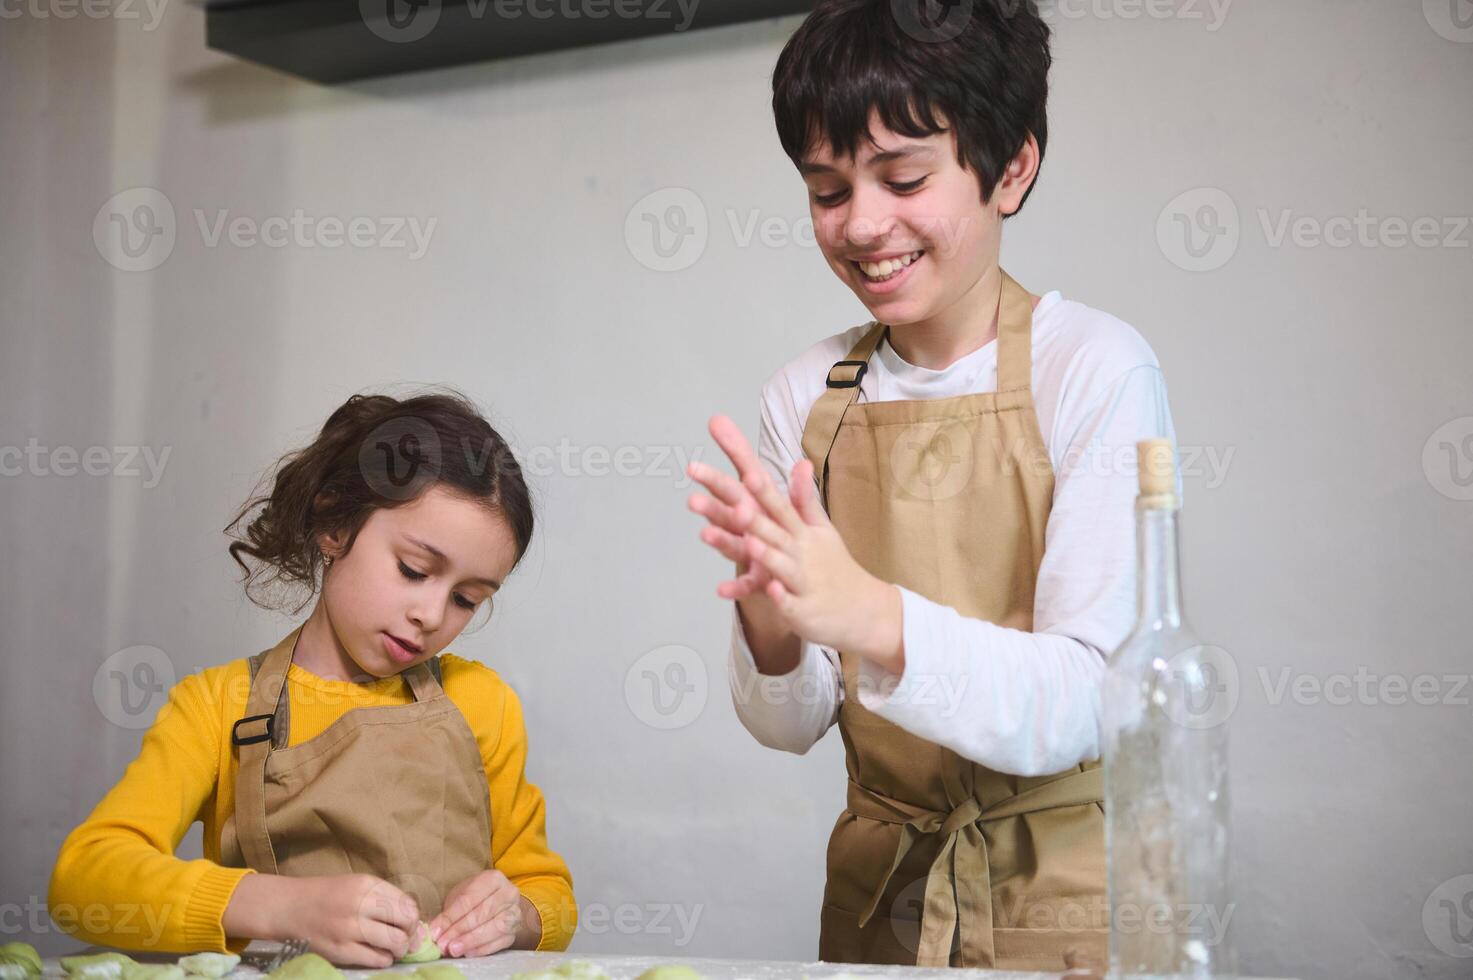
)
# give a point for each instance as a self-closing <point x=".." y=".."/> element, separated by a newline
<point x="825" y="596"/>
<point x="485" y="914"/>
<point x="352" y="920"/>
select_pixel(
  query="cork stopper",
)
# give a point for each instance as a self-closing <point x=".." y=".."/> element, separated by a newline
<point x="1157" y="467"/>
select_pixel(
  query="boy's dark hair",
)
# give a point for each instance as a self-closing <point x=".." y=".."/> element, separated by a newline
<point x="982" y="65"/>
<point x="374" y="452"/>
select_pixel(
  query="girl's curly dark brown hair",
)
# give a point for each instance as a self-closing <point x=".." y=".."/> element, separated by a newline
<point x="374" y="451"/>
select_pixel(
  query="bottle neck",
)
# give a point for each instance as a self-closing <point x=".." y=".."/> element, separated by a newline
<point x="1159" y="573"/>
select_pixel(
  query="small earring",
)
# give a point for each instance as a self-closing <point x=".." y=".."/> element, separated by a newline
<point x="327" y="560"/>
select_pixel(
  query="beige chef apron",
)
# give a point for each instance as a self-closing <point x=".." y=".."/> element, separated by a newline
<point x="395" y="791"/>
<point x="937" y="861"/>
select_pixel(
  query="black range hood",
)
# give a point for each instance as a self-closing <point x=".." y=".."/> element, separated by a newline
<point x="341" y="40"/>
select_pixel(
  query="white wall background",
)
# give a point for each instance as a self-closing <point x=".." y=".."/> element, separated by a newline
<point x="1331" y="542"/>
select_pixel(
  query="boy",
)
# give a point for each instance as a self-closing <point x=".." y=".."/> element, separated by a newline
<point x="938" y="539"/>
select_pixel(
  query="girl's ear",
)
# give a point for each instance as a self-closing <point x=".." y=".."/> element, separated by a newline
<point x="331" y="546"/>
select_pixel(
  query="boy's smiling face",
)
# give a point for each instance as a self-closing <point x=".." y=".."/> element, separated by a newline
<point x="907" y="201"/>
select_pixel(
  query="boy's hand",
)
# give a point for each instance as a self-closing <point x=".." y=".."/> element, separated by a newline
<point x="825" y="596"/>
<point x="730" y="510"/>
<point x="486" y="914"/>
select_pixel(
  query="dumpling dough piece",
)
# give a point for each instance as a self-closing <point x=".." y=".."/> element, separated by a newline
<point x="673" y="971"/>
<point x="211" y="965"/>
<point x="98" y="966"/>
<point x="308" y="966"/>
<point x="426" y="951"/>
<point x="23" y="955"/>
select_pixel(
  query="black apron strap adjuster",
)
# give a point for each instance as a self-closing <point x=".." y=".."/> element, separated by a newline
<point x="860" y="367"/>
<point x="237" y="739"/>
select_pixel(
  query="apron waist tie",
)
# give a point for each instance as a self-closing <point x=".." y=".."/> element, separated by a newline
<point x="959" y="884"/>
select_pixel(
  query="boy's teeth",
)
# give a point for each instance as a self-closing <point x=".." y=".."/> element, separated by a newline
<point x="879" y="270"/>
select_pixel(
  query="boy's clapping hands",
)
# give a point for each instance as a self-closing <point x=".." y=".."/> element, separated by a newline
<point x="788" y="551"/>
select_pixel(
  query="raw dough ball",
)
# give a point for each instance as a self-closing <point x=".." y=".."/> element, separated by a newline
<point x="426" y="951"/>
<point x="308" y="966"/>
<point x="440" y="971"/>
<point x="98" y="966"/>
<point x="211" y="965"/>
<point x="23" y="955"/>
<point x="152" y="971"/>
<point x="673" y="971"/>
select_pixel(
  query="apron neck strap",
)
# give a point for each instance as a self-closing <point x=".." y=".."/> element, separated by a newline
<point x="1014" y="336"/>
<point x="1014" y="372"/>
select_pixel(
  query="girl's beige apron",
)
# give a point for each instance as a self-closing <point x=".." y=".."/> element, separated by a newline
<point x="395" y="791"/>
<point x="937" y="861"/>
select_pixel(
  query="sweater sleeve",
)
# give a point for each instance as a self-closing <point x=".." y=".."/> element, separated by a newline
<point x="116" y="881"/>
<point x="519" y="847"/>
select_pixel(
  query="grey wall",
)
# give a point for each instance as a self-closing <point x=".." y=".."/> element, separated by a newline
<point x="1326" y="391"/>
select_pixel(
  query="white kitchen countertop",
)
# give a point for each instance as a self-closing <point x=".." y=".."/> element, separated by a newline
<point x="628" y="967"/>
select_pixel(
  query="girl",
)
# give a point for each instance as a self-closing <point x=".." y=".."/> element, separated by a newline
<point x="356" y="779"/>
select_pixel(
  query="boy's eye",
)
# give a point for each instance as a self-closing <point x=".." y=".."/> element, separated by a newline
<point x="829" y="200"/>
<point x="414" y="576"/>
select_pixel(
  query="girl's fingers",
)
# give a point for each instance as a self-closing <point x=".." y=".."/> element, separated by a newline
<point x="772" y="501"/>
<point x="385" y="938"/>
<point x="493" y="904"/>
<point x="368" y="956"/>
<point x="493" y="947"/>
<point x="500" y="921"/>
<point x="780" y="565"/>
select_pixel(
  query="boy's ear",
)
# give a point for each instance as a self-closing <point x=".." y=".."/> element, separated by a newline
<point x="1017" y="177"/>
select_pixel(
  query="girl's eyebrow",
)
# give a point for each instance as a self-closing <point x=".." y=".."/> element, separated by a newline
<point x="440" y="555"/>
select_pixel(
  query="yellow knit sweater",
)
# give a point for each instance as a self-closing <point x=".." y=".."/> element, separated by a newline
<point x="117" y="882"/>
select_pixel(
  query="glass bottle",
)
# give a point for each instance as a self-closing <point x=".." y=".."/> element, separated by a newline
<point x="1164" y="741"/>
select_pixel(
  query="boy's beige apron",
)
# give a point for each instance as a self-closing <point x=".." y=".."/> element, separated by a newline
<point x="937" y="861"/>
<point x="395" y="791"/>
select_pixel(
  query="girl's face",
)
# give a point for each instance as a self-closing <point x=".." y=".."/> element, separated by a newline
<point x="908" y="202"/>
<point x="416" y="574"/>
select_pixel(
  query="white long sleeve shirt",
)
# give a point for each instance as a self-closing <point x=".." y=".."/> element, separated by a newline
<point x="1019" y="702"/>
